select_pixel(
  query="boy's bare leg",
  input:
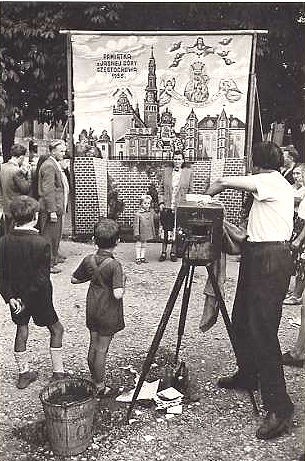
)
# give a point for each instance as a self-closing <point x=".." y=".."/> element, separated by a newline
<point x="97" y="354"/>
<point x="26" y="376"/>
<point x="56" y="333"/>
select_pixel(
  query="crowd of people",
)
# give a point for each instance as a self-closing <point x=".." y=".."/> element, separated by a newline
<point x="29" y="252"/>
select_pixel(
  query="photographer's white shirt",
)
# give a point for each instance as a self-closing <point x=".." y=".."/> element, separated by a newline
<point x="271" y="215"/>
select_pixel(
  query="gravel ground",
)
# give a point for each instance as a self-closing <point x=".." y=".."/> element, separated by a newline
<point x="221" y="427"/>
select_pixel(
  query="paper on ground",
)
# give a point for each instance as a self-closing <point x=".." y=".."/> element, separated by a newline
<point x="148" y="392"/>
<point x="176" y="410"/>
<point x="170" y="394"/>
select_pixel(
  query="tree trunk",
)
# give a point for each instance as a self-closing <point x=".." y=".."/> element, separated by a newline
<point x="8" y="136"/>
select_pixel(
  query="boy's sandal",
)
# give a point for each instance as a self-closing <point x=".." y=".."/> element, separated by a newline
<point x="292" y="300"/>
<point x="173" y="257"/>
<point x="144" y="260"/>
<point x="162" y="256"/>
<point x="138" y="261"/>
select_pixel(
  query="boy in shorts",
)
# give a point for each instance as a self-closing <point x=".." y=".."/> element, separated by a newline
<point x="26" y="287"/>
<point x="104" y="304"/>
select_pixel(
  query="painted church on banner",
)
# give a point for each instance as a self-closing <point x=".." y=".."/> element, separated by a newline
<point x="153" y="136"/>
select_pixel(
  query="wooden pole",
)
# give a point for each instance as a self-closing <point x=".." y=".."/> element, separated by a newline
<point x="251" y="107"/>
<point x="70" y="129"/>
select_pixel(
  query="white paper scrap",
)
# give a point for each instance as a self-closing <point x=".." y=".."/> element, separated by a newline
<point x="148" y="438"/>
<point x="148" y="392"/>
<point x="176" y="410"/>
<point x="170" y="394"/>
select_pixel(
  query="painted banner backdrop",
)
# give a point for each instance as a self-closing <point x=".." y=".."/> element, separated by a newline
<point x="141" y="96"/>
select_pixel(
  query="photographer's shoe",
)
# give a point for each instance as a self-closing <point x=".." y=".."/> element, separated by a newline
<point x="274" y="426"/>
<point x="173" y="257"/>
<point x="238" y="381"/>
<point x="25" y="379"/>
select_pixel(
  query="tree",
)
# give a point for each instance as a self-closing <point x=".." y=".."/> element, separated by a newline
<point x="33" y="60"/>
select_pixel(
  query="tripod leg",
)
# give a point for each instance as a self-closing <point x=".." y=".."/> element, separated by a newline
<point x="228" y="325"/>
<point x="184" y="307"/>
<point x="159" y="333"/>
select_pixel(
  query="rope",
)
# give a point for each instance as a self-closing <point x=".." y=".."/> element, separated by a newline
<point x="259" y="109"/>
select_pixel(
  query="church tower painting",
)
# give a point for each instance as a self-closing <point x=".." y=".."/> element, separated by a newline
<point x="151" y="105"/>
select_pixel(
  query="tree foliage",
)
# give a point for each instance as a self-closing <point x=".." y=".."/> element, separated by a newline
<point x="33" y="53"/>
<point x="33" y="59"/>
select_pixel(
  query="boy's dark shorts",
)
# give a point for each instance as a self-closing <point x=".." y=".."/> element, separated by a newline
<point x="42" y="318"/>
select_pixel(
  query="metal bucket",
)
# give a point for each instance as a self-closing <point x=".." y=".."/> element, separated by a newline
<point x="69" y="406"/>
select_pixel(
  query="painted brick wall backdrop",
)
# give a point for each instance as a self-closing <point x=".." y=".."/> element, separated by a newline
<point x="133" y="179"/>
<point x="90" y="177"/>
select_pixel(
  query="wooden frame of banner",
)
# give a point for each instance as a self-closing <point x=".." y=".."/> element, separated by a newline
<point x="251" y="91"/>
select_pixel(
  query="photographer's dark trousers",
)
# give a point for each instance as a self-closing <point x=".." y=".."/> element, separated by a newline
<point x="264" y="275"/>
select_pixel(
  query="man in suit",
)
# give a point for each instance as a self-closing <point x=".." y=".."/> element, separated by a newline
<point x="14" y="181"/>
<point x="176" y="182"/>
<point x="52" y="192"/>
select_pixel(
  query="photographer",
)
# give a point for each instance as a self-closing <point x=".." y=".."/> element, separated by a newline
<point x="264" y="275"/>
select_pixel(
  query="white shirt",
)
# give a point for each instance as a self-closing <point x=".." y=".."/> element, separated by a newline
<point x="175" y="185"/>
<point x="271" y="215"/>
<point x="301" y="209"/>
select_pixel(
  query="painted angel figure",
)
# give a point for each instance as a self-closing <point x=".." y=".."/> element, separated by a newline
<point x="166" y="91"/>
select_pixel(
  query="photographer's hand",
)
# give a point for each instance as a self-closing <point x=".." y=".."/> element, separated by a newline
<point x="205" y="199"/>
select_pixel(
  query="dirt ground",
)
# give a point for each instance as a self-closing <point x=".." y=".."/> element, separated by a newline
<point x="220" y="427"/>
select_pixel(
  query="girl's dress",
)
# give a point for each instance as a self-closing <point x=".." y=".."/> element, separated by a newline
<point x="144" y="225"/>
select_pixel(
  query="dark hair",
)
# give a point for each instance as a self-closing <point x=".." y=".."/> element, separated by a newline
<point x="106" y="233"/>
<point x="267" y="155"/>
<point x="17" y="150"/>
<point x="179" y="152"/>
<point x="292" y="152"/>
<point x="23" y="209"/>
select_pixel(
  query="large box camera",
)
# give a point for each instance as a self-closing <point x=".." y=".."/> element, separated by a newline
<point x="200" y="229"/>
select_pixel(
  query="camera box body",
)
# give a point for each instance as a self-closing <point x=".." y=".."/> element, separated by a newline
<point x="202" y="230"/>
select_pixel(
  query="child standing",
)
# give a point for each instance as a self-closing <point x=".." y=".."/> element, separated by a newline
<point x="143" y="228"/>
<point x="26" y="287"/>
<point x="104" y="304"/>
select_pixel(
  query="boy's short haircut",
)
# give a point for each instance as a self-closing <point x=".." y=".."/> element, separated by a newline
<point x="17" y="150"/>
<point x="267" y="155"/>
<point x="106" y="233"/>
<point x="23" y="209"/>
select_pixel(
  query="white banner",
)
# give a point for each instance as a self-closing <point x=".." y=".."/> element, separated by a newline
<point x="141" y="96"/>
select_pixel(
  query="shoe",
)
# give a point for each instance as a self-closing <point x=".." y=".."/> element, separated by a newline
<point x="58" y="375"/>
<point x="55" y="270"/>
<point x="25" y="379"/>
<point x="292" y="300"/>
<point x="106" y="392"/>
<point x="138" y="261"/>
<point x="173" y="257"/>
<point x="290" y="361"/>
<point x="144" y="260"/>
<point x="238" y="381"/>
<point x="274" y="426"/>
<point x="162" y="256"/>
<point x="60" y="260"/>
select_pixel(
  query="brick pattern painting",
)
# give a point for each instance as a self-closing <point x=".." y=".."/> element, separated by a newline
<point x="133" y="181"/>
